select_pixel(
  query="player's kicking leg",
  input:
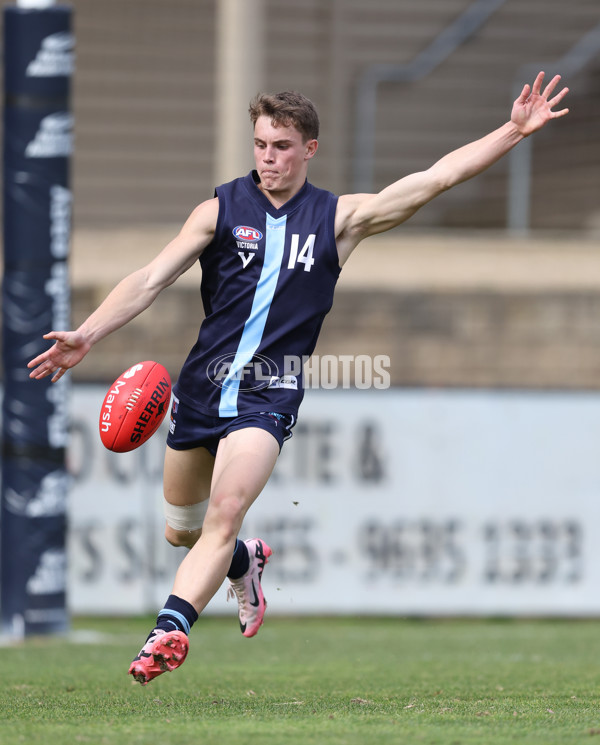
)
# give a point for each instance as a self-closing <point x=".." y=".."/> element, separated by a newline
<point x="245" y="460"/>
<point x="187" y="478"/>
<point x="166" y="650"/>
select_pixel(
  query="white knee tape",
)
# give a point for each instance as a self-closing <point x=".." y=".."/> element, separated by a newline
<point x="189" y="517"/>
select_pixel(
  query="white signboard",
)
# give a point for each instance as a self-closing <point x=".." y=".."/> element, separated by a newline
<point x="397" y="502"/>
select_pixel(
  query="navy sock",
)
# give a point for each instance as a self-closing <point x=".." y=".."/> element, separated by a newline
<point x="240" y="561"/>
<point x="177" y="614"/>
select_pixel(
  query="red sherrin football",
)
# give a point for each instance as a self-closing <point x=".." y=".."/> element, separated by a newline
<point x="135" y="406"/>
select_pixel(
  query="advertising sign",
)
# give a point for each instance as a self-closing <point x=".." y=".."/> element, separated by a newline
<point x="392" y="502"/>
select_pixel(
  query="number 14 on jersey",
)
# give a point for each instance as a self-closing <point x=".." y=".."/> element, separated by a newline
<point x="306" y="252"/>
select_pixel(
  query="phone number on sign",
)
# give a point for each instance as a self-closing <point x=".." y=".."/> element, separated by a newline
<point x="509" y="552"/>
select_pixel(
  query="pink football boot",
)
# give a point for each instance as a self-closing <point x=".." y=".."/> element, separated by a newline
<point x="164" y="651"/>
<point x="248" y="590"/>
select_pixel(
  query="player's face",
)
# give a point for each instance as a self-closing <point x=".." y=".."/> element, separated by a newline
<point x="281" y="157"/>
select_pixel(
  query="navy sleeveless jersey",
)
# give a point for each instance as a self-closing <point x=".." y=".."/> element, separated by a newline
<point x="268" y="279"/>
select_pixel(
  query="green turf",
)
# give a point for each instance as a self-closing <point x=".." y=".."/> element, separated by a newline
<point x="305" y="681"/>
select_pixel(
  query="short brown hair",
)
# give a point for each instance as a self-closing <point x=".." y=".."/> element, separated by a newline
<point x="287" y="109"/>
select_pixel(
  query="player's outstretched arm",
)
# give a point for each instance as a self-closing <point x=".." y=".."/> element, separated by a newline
<point x="130" y="297"/>
<point x="362" y="215"/>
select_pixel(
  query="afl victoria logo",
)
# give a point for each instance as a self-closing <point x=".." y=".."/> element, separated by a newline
<point x="244" y="233"/>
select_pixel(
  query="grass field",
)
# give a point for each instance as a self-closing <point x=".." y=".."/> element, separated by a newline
<point x="305" y="681"/>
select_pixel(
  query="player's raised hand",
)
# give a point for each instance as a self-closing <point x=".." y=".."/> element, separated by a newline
<point x="534" y="107"/>
<point x="70" y="348"/>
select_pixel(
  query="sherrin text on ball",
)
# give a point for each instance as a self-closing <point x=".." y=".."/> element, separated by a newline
<point x="135" y="406"/>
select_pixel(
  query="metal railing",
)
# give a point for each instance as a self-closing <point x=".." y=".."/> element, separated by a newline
<point x="520" y="158"/>
<point x="424" y="63"/>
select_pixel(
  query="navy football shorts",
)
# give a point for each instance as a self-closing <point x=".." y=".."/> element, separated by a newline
<point x="189" y="428"/>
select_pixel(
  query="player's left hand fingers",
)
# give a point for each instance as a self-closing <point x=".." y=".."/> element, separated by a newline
<point x="558" y="98"/>
<point x="558" y="114"/>
<point x="551" y="86"/>
<point x="537" y="84"/>
<point x="524" y="94"/>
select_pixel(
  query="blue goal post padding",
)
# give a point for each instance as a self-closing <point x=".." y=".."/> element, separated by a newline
<point x="38" y="141"/>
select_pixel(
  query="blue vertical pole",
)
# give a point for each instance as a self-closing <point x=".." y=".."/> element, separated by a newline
<point x="38" y="136"/>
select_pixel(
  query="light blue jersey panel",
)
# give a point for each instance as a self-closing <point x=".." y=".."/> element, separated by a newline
<point x="255" y="325"/>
